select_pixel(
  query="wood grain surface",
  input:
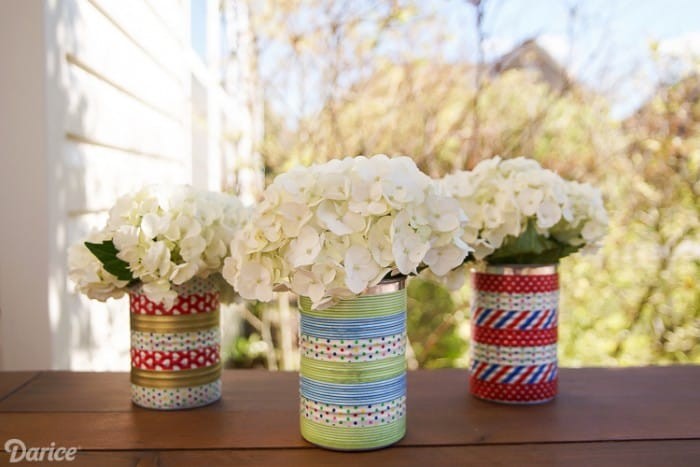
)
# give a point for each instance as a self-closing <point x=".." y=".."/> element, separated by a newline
<point x="635" y="416"/>
<point x="617" y="454"/>
<point x="11" y="381"/>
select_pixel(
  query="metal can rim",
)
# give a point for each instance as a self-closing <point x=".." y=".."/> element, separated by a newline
<point x="387" y="285"/>
<point x="521" y="269"/>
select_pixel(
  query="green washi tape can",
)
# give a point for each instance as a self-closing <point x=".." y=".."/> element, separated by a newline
<point x="353" y="370"/>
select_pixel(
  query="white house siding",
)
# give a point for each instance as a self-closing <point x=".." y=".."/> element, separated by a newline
<point x="117" y="115"/>
<point x="25" y="339"/>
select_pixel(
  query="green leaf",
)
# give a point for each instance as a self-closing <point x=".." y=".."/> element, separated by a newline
<point x="530" y="247"/>
<point x="106" y="252"/>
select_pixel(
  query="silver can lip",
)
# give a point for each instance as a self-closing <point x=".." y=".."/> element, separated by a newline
<point x="387" y="285"/>
<point x="521" y="269"/>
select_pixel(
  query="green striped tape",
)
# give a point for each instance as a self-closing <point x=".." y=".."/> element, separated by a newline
<point x="353" y="372"/>
<point x="362" y="306"/>
<point x="352" y="438"/>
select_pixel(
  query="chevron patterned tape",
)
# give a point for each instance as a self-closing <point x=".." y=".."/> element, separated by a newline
<point x="522" y="320"/>
<point x="514" y="338"/>
<point x="509" y="374"/>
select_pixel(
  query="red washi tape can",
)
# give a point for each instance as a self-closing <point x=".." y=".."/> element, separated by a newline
<point x="175" y="352"/>
<point x="514" y="334"/>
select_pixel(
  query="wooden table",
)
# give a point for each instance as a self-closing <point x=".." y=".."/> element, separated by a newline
<point x="640" y="416"/>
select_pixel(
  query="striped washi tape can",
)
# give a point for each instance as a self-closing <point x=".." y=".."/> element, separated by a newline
<point x="514" y="334"/>
<point x="353" y="370"/>
<point x="175" y="352"/>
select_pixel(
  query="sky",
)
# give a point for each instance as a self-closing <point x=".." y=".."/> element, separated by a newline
<point x="606" y="44"/>
<point x="198" y="34"/>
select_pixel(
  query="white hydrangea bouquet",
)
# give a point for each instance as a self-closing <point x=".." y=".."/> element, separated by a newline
<point x="521" y="213"/>
<point x="523" y="219"/>
<point x="158" y="237"/>
<point x="332" y="230"/>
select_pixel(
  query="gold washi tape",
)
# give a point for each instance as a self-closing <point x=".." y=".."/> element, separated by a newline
<point x="176" y="379"/>
<point x="174" y="323"/>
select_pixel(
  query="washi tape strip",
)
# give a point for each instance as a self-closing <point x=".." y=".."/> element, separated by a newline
<point x="366" y="409"/>
<point x="175" y="360"/>
<point x="367" y="306"/>
<point x="176" y="398"/>
<point x="516" y="301"/>
<point x="355" y="437"/>
<point x="515" y="338"/>
<point x="503" y="355"/>
<point x="353" y="394"/>
<point x="184" y="305"/>
<point x="515" y="284"/>
<point x="522" y="320"/>
<point x="176" y="379"/>
<point x="509" y="374"/>
<point x="175" y="341"/>
<point x="351" y="329"/>
<point x="357" y="350"/>
<point x="352" y="415"/>
<point x="514" y="393"/>
<point x="196" y="285"/>
<point x="173" y="324"/>
<point x="352" y="372"/>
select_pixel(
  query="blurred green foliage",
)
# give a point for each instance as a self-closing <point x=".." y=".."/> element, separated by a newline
<point x="247" y="349"/>
<point x="242" y="352"/>
<point x="433" y="325"/>
<point x="637" y="301"/>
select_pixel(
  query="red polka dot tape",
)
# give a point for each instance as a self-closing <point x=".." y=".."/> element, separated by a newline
<point x="515" y="284"/>
<point x="513" y="393"/>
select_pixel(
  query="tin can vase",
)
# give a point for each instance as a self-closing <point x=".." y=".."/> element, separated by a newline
<point x="353" y="370"/>
<point x="514" y="334"/>
<point x="175" y="352"/>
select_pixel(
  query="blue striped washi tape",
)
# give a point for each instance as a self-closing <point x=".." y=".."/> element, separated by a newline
<point x="359" y="328"/>
<point x="353" y="394"/>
